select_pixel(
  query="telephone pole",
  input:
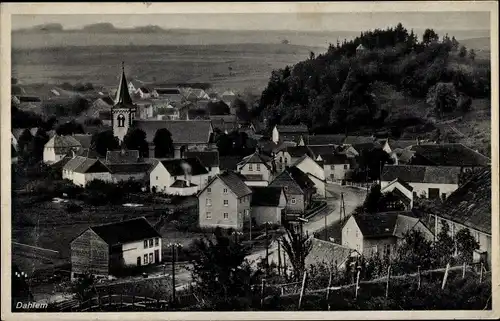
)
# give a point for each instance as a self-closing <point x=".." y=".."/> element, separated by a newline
<point x="342" y="208"/>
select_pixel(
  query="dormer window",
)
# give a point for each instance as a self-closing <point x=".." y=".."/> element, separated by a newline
<point x="121" y="120"/>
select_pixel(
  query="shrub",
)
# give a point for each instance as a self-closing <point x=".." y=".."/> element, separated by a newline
<point x="73" y="208"/>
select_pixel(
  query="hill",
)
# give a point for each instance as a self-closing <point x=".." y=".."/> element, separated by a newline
<point x="384" y="82"/>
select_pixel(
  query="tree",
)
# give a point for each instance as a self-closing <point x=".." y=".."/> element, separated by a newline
<point x="84" y="287"/>
<point x="472" y="54"/>
<point x="24" y="141"/>
<point x="414" y="251"/>
<point x="371" y="204"/>
<point x="218" y="108"/>
<point x="466" y="245"/>
<point x="444" y="246"/>
<point x="242" y="111"/>
<point x="454" y="44"/>
<point x="221" y="273"/>
<point x="297" y="247"/>
<point x="104" y="141"/>
<point x="462" y="52"/>
<point x="464" y="103"/>
<point x="41" y="138"/>
<point x="69" y="128"/>
<point x="442" y="97"/>
<point x="429" y="36"/>
<point x="136" y="139"/>
<point x="164" y="146"/>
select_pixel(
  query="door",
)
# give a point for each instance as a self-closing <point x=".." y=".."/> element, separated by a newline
<point x="157" y="256"/>
<point x="151" y="258"/>
<point x="138" y="261"/>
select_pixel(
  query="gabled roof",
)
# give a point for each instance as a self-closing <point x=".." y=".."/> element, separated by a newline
<point x="292" y="129"/>
<point x="451" y="155"/>
<point x="229" y="162"/>
<point x="297" y="176"/>
<point x="127" y="231"/>
<point x="233" y="181"/>
<point x="129" y="168"/>
<point x="180" y="183"/>
<point x="266" y="196"/>
<point x="209" y="158"/>
<point x="84" y="139"/>
<point x="322" y="140"/>
<point x="329" y="253"/>
<point x="402" y="144"/>
<point x="470" y="204"/>
<point x="82" y="164"/>
<point x="175" y="167"/>
<point x="63" y="144"/>
<point x="144" y="90"/>
<point x="183" y="131"/>
<point x="168" y="91"/>
<point x="385" y="223"/>
<point x="422" y="174"/>
<point x="255" y="158"/>
<point x="298" y="151"/>
<point x="332" y="159"/>
<point x="400" y="181"/>
<point x="322" y="150"/>
<point x="122" y="156"/>
<point x="360" y="47"/>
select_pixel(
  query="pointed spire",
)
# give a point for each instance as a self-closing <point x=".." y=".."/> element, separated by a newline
<point x="122" y="94"/>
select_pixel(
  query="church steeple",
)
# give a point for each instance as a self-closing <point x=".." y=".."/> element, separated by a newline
<point x="122" y="94"/>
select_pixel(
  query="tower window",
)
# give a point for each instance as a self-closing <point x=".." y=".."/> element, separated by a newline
<point x="121" y="120"/>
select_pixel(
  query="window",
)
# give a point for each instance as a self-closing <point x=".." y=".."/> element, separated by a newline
<point x="156" y="177"/>
<point x="151" y="243"/>
<point x="209" y="202"/>
<point x="241" y="200"/>
<point x="226" y="203"/>
<point x="286" y="160"/>
<point x="258" y="167"/>
<point x="346" y="166"/>
<point x="332" y="167"/>
<point x="145" y="259"/>
<point x="121" y="120"/>
<point x="145" y="244"/>
<point x="151" y="258"/>
<point x="157" y="241"/>
<point x="294" y="201"/>
<point x="209" y="178"/>
<point x="226" y="216"/>
<point x="209" y="190"/>
<point x="443" y="196"/>
<point x="414" y="194"/>
<point x="208" y="215"/>
<point x="224" y="190"/>
<point x="332" y="176"/>
<point x="250" y="168"/>
<point x="281" y="159"/>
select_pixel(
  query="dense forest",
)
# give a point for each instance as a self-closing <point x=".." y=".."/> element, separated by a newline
<point x="351" y="87"/>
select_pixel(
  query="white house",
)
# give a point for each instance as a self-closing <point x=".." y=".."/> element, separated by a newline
<point x="289" y="155"/>
<point x="178" y="176"/>
<point x="143" y="92"/>
<point x="288" y="133"/>
<point x="426" y="181"/>
<point x="82" y="170"/>
<point x="257" y="169"/>
<point x="268" y="204"/>
<point x="402" y="192"/>
<point x="315" y="172"/>
<point x="59" y="146"/>
<point x="380" y="233"/>
<point x="105" y="249"/>
<point x="335" y="166"/>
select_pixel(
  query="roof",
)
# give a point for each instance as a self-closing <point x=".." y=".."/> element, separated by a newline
<point x="319" y="150"/>
<point x="122" y="156"/>
<point x="470" y="204"/>
<point x="363" y="147"/>
<point x="233" y="181"/>
<point x="223" y="125"/>
<point x="298" y="176"/>
<point x="122" y="97"/>
<point x="292" y="129"/>
<point x="321" y="140"/>
<point x="360" y="47"/>
<point x="82" y="164"/>
<point x="84" y="139"/>
<point x="255" y="158"/>
<point x="329" y="253"/>
<point x="330" y="159"/>
<point x="299" y="151"/>
<point x="402" y="144"/>
<point x="129" y="168"/>
<point x="400" y="181"/>
<point x="229" y="162"/>
<point x="183" y="131"/>
<point x="422" y="174"/>
<point x="144" y="90"/>
<point x="226" y="118"/>
<point x="168" y="91"/>
<point x="451" y="155"/>
<point x="385" y="223"/>
<point x="209" y="158"/>
<point x="351" y="140"/>
<point x="266" y="196"/>
<point x="127" y="231"/>
<point x="404" y="155"/>
<point x="181" y="184"/>
<point x="175" y="167"/>
<point x="63" y="144"/>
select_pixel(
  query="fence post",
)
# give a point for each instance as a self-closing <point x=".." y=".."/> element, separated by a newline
<point x="419" y="278"/>
<point x="445" y="277"/>
<point x="262" y="292"/>
<point x="328" y="291"/>
<point x="357" y="281"/>
<point x="303" y="289"/>
<point x="463" y="270"/>
<point x="387" y="284"/>
<point x="481" y="274"/>
<point x="279" y="258"/>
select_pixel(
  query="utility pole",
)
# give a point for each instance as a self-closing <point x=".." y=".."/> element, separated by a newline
<point x="174" y="246"/>
<point x="279" y="258"/>
<point x="326" y="230"/>
<point x="342" y="208"/>
<point x="267" y="249"/>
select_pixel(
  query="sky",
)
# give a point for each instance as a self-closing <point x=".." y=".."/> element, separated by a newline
<point x="271" y="21"/>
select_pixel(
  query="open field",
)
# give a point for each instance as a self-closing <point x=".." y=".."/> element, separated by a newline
<point x="251" y="65"/>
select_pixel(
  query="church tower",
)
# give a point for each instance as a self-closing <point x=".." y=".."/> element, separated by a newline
<point x="124" y="111"/>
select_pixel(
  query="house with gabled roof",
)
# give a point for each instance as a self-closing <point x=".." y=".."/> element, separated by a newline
<point x="143" y="92"/>
<point x="209" y="159"/>
<point x="225" y="202"/>
<point x="321" y="140"/>
<point x="401" y="194"/>
<point x="82" y="170"/>
<point x="173" y="95"/>
<point x="59" y="146"/>
<point x="333" y="255"/>
<point x="469" y="207"/>
<point x="454" y="154"/>
<point x="258" y="169"/>
<point x="336" y="166"/>
<point x="178" y="176"/>
<point x="315" y="172"/>
<point x="380" y="233"/>
<point x="291" y="154"/>
<point x="299" y="189"/>
<point x="104" y="249"/>
<point x="288" y="132"/>
<point x="427" y="181"/>
<point x="268" y="204"/>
